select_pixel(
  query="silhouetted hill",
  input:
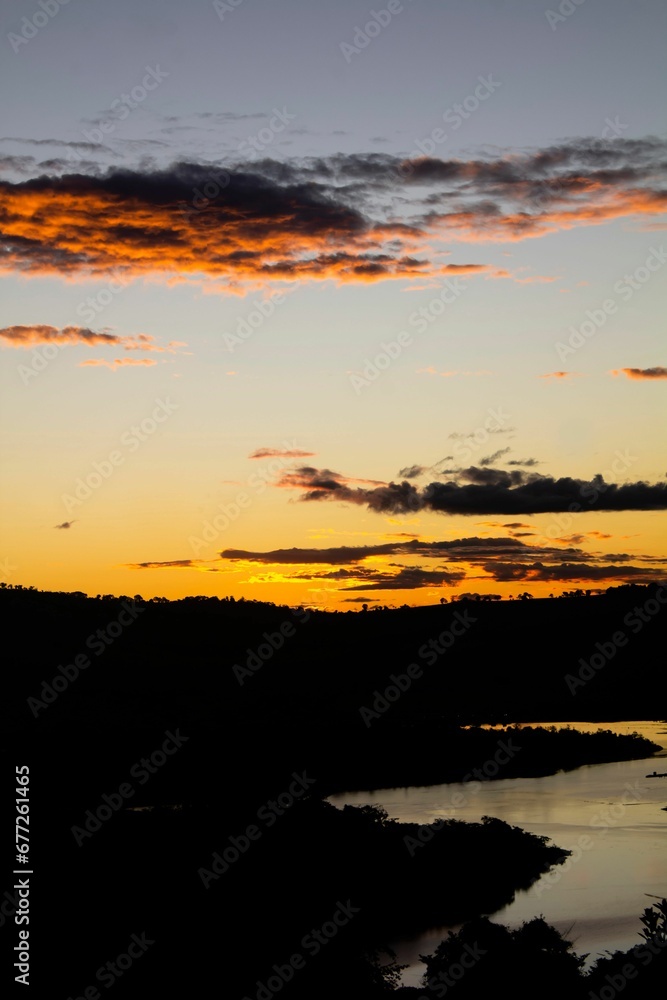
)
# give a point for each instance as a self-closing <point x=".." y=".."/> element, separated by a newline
<point x="359" y="694"/>
<point x="245" y="715"/>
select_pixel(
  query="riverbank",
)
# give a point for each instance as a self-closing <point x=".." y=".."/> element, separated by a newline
<point x="608" y="815"/>
<point x="437" y="755"/>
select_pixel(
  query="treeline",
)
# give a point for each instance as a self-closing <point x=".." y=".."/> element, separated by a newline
<point x="536" y="961"/>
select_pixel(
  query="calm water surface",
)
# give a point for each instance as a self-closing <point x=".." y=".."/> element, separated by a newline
<point x="598" y="899"/>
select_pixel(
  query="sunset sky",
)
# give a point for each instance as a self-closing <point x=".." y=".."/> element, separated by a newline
<point x="333" y="304"/>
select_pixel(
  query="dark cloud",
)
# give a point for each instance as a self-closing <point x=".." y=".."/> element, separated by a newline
<point x="505" y="524"/>
<point x="413" y="471"/>
<point x="456" y="436"/>
<point x="169" y="564"/>
<point x="65" y="524"/>
<point x="580" y="537"/>
<point x="216" y="117"/>
<point x="19" y="164"/>
<point x="490" y="459"/>
<point x="472" y="549"/>
<point x="341" y="555"/>
<point x="571" y="572"/>
<point x="86" y="147"/>
<point x="584" y="181"/>
<point x="490" y="477"/>
<point x="61" y="165"/>
<point x="252" y="228"/>
<point x="335" y="574"/>
<point x="503" y="559"/>
<point x="408" y="578"/>
<point x="315" y="218"/>
<point x="488" y="491"/>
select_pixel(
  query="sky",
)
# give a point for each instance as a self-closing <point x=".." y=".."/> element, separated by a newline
<point x="333" y="304"/>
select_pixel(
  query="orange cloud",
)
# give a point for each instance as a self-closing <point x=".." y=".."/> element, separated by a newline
<point x="303" y="226"/>
<point x="117" y="363"/>
<point x="27" y="337"/>
<point x="31" y="336"/>
<point x="281" y="453"/>
<point x="468" y="269"/>
<point x="139" y="225"/>
<point x="560" y="375"/>
<point x="602" y="206"/>
<point x="640" y="374"/>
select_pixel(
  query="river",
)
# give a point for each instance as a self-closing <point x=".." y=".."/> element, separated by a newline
<point x="616" y="871"/>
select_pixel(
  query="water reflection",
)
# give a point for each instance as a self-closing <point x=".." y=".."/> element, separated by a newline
<point x="609" y="815"/>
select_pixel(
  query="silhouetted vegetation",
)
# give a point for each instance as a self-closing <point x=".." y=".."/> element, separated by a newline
<point x="156" y="871"/>
<point x="534" y="960"/>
